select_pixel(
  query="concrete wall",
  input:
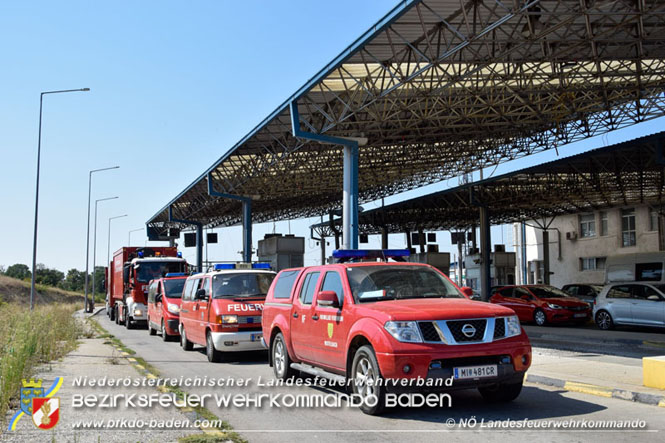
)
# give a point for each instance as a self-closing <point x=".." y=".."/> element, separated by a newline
<point x="565" y="254"/>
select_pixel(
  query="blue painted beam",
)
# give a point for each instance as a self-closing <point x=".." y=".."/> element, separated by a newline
<point x="246" y="218"/>
<point x="350" y="197"/>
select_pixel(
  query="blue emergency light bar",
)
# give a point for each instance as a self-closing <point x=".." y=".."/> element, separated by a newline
<point x="221" y="266"/>
<point x="179" y="254"/>
<point x="343" y="255"/>
<point x="260" y="265"/>
<point x="141" y="254"/>
<point x="175" y="274"/>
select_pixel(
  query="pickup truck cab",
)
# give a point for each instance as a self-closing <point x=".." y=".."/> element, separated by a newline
<point x="164" y="295"/>
<point x="373" y="321"/>
<point x="221" y="310"/>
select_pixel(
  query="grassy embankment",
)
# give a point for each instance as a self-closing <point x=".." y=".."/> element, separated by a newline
<point x="28" y="339"/>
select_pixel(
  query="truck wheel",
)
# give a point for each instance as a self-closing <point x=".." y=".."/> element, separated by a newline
<point x="539" y="317"/>
<point x="128" y="322"/>
<point x="111" y="313"/>
<point x="213" y="354"/>
<point x="281" y="363"/>
<point x="184" y="343"/>
<point x="165" y="336"/>
<point x="367" y="381"/>
<point x="501" y="393"/>
<point x="117" y="317"/>
<point x="151" y="330"/>
<point x="604" y="320"/>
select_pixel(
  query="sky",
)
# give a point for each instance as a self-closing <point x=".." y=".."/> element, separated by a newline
<point x="173" y="84"/>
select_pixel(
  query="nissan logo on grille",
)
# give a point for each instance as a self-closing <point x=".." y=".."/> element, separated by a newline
<point x="468" y="330"/>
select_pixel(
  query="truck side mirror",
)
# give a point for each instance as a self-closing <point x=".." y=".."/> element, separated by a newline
<point x="327" y="299"/>
<point x="201" y="294"/>
<point x="125" y="274"/>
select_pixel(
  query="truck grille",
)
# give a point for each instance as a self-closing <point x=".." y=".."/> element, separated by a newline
<point x="457" y="326"/>
<point x="429" y="332"/>
<point x="249" y="319"/>
<point x="499" y="328"/>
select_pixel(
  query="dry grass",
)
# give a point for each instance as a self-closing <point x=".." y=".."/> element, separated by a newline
<point x="28" y="339"/>
<point x="18" y="291"/>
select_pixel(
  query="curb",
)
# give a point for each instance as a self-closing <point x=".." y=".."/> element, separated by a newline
<point x="570" y="340"/>
<point x="599" y="391"/>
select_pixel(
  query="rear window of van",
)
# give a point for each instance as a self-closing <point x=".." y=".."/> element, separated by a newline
<point x="284" y="284"/>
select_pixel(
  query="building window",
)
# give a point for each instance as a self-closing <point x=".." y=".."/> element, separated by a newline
<point x="592" y="263"/>
<point x="628" y="237"/>
<point x="653" y="220"/>
<point x="603" y="222"/>
<point x="587" y="225"/>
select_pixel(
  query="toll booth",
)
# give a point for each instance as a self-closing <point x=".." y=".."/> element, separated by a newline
<point x="502" y="268"/>
<point x="282" y="251"/>
<point x="440" y="260"/>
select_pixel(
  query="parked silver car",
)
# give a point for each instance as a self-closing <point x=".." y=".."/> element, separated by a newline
<point x="631" y="303"/>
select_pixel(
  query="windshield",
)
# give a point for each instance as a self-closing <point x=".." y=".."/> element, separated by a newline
<point x="241" y="285"/>
<point x="378" y="283"/>
<point x="547" y="292"/>
<point x="152" y="270"/>
<point x="173" y="288"/>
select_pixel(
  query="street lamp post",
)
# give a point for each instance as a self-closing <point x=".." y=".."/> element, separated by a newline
<point x="94" y="253"/>
<point x="129" y="235"/>
<point x="108" y="246"/>
<point x="39" y="151"/>
<point x="87" y="307"/>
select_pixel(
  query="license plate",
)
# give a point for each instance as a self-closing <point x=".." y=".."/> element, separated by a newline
<point x="255" y="337"/>
<point x="475" y="372"/>
<point x="579" y="315"/>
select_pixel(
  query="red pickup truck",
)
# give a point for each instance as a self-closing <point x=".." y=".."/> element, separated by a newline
<point x="369" y="322"/>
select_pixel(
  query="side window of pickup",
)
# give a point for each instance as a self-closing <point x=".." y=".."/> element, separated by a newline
<point x="308" y="287"/>
<point x="284" y="284"/>
<point x="333" y="282"/>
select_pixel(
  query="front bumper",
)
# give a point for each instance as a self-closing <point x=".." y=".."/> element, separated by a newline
<point x="137" y="317"/>
<point x="172" y="326"/>
<point x="565" y="315"/>
<point x="237" y="341"/>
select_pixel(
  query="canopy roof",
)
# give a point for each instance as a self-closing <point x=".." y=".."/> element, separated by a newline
<point x="621" y="175"/>
<point x="440" y="88"/>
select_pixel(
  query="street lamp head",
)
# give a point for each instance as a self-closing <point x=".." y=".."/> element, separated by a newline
<point x="85" y="89"/>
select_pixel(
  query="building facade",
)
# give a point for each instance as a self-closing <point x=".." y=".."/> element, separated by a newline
<point x="579" y="244"/>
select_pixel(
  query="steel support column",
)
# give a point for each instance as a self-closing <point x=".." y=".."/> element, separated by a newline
<point x="485" y="253"/>
<point x="546" y="257"/>
<point x="199" y="237"/>
<point x="350" y="180"/>
<point x="525" y="266"/>
<point x="246" y="218"/>
<point x="384" y="237"/>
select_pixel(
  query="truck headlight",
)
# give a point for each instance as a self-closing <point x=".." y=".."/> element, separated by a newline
<point x="228" y="319"/>
<point x="138" y="313"/>
<point x="553" y="306"/>
<point x="404" y="331"/>
<point x="173" y="308"/>
<point x="513" y="327"/>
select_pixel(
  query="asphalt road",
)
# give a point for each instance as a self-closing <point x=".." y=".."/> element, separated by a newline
<point x="269" y="424"/>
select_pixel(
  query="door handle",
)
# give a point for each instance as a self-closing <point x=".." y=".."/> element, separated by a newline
<point x="295" y="315"/>
<point x="315" y="317"/>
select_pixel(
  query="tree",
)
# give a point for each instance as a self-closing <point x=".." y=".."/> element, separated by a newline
<point x="19" y="271"/>
<point x="47" y="276"/>
<point x="74" y="281"/>
<point x="100" y="277"/>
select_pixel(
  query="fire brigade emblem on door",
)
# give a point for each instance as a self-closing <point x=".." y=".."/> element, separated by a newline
<point x="330" y="329"/>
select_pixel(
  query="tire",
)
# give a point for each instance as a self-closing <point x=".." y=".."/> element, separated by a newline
<point x="214" y="356"/>
<point x="165" y="336"/>
<point x="604" y="320"/>
<point x="184" y="343"/>
<point x="364" y="368"/>
<point x="117" y="317"/>
<point x="128" y="321"/>
<point x="539" y="317"/>
<point x="151" y="330"/>
<point x="281" y="362"/>
<point x="112" y="314"/>
<point x="501" y="393"/>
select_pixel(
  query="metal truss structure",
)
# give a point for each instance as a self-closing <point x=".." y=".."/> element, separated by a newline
<point x="440" y="88"/>
<point x="621" y="175"/>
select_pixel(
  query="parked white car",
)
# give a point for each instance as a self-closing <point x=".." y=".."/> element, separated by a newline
<point x="630" y="303"/>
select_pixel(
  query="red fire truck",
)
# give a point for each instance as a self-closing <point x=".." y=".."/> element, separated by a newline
<point x="129" y="273"/>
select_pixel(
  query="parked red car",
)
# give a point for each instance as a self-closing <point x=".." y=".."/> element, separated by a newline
<point x="542" y="304"/>
<point x="164" y="295"/>
<point x="374" y="321"/>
